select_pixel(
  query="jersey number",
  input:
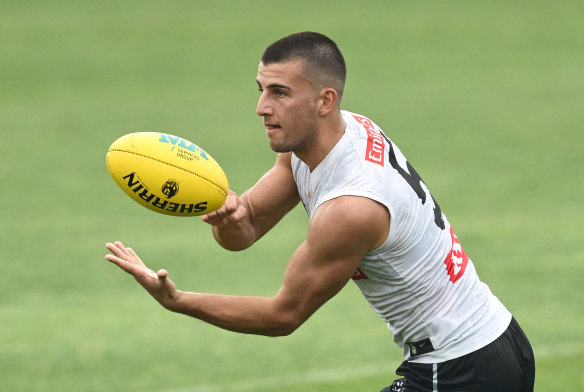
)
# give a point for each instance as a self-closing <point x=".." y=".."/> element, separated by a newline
<point x="413" y="178"/>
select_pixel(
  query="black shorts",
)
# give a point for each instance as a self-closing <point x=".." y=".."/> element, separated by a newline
<point x="505" y="365"/>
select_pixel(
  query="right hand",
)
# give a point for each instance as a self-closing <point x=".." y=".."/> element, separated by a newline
<point x="233" y="211"/>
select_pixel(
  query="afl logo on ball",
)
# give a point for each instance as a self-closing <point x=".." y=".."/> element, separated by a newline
<point x="170" y="188"/>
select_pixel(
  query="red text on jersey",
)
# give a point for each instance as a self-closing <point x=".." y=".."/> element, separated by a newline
<point x="456" y="260"/>
<point x="375" y="142"/>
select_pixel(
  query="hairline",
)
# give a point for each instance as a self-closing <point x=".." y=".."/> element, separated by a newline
<point x="316" y="82"/>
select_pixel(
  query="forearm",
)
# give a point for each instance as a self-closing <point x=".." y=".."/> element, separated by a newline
<point x="251" y="315"/>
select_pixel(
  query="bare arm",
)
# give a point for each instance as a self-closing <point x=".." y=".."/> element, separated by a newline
<point x="341" y="232"/>
<point x="243" y="220"/>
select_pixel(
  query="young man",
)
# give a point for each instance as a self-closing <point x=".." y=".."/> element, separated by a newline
<point x="372" y="219"/>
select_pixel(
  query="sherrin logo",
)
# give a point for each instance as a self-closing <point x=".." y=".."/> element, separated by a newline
<point x="133" y="183"/>
<point x="170" y="188"/>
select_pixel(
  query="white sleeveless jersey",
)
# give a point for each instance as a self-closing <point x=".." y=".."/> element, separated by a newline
<point x="420" y="281"/>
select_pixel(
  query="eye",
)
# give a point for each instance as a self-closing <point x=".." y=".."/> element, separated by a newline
<point x="280" y="93"/>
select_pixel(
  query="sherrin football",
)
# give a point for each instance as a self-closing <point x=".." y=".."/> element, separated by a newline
<point x="167" y="174"/>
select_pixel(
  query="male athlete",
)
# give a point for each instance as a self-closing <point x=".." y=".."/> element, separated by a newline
<point x="372" y="219"/>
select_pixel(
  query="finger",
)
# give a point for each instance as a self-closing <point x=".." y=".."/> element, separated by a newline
<point x="231" y="203"/>
<point x="237" y="216"/>
<point x="117" y="247"/>
<point x="123" y="264"/>
<point x="207" y="218"/>
<point x="126" y="254"/>
<point x="119" y="250"/>
<point x="216" y="217"/>
<point x="222" y="211"/>
<point x="123" y="248"/>
<point x="114" y="248"/>
<point x="140" y="273"/>
<point x="136" y="257"/>
<point x="230" y="213"/>
<point x="110" y="246"/>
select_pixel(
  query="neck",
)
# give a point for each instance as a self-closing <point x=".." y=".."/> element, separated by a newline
<point x="330" y="131"/>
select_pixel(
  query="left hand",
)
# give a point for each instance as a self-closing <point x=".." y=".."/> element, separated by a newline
<point x="156" y="283"/>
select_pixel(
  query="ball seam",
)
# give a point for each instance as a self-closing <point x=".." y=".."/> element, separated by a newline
<point x="170" y="164"/>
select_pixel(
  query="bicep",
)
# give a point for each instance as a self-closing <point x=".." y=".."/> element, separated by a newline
<point x="273" y="196"/>
<point x="336" y="243"/>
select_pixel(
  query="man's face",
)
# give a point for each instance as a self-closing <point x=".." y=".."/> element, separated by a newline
<point x="289" y="106"/>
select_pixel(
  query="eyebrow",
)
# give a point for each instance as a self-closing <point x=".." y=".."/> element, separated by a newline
<point x="274" y="85"/>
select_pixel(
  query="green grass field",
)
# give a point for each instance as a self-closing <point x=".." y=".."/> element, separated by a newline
<point x="485" y="99"/>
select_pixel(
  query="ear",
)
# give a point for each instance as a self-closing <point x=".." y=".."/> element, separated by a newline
<point x="329" y="101"/>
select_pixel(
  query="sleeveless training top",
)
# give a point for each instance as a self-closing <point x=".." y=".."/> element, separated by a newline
<point x="420" y="281"/>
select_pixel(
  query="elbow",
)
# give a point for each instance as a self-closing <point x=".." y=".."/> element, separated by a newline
<point x="282" y="331"/>
<point x="285" y="326"/>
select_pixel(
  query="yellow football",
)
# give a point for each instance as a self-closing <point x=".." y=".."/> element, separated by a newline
<point x="167" y="174"/>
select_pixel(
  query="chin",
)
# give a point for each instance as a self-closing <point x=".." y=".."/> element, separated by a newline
<point x="278" y="148"/>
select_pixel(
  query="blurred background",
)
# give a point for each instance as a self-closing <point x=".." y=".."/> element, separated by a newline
<point x="484" y="98"/>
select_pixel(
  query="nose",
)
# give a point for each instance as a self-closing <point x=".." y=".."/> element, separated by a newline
<point x="264" y="108"/>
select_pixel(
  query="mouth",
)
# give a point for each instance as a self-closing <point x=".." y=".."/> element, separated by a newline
<point x="271" y="127"/>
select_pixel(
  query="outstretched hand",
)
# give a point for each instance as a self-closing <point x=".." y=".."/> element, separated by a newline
<point x="156" y="283"/>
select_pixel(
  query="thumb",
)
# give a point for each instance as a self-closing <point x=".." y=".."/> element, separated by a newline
<point x="166" y="283"/>
<point x="168" y="287"/>
<point x="162" y="275"/>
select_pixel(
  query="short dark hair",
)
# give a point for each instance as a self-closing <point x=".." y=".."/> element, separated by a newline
<point x="322" y="61"/>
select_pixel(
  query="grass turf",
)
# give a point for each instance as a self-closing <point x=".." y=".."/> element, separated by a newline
<point x="483" y="98"/>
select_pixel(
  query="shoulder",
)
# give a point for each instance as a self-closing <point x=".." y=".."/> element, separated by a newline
<point x="352" y="222"/>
